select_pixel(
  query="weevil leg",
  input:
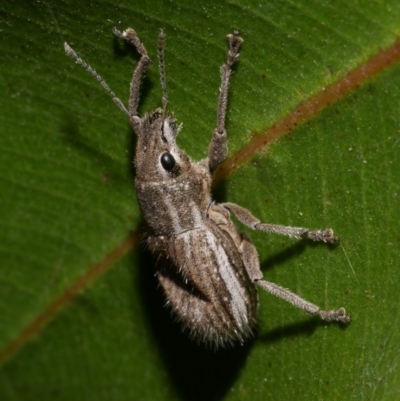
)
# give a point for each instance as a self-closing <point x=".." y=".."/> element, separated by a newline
<point x="246" y="218"/>
<point x="250" y="260"/>
<point x="218" y="148"/>
<point x="338" y="315"/>
<point x="131" y="37"/>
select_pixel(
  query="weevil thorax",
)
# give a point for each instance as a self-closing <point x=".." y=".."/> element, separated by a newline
<point x="173" y="192"/>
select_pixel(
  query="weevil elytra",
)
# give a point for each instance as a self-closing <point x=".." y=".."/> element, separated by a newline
<point x="208" y="269"/>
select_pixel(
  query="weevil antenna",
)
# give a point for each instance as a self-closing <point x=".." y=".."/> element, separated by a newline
<point x="71" y="53"/>
<point x="161" y="64"/>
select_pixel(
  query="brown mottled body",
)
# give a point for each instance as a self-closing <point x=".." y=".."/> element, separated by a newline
<point x="188" y="230"/>
<point x="207" y="268"/>
<point x="217" y="301"/>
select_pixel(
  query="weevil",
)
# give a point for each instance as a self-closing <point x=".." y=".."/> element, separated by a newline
<point x="209" y="270"/>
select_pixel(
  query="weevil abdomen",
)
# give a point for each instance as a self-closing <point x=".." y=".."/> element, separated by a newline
<point x="206" y="284"/>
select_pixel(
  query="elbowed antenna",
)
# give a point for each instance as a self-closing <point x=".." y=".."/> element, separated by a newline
<point x="161" y="64"/>
<point x="71" y="53"/>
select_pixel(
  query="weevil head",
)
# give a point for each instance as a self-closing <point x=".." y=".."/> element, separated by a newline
<point x="158" y="158"/>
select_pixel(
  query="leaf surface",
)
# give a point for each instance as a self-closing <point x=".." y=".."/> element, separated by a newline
<point x="80" y="313"/>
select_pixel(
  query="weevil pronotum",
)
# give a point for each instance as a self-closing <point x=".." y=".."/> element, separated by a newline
<point x="208" y="269"/>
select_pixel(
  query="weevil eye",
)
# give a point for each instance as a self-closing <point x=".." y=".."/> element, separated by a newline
<point x="167" y="161"/>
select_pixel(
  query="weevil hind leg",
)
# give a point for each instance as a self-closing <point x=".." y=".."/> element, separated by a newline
<point x="252" y="265"/>
<point x="246" y="218"/>
<point x="250" y="258"/>
<point x="338" y="315"/>
<point x="218" y="149"/>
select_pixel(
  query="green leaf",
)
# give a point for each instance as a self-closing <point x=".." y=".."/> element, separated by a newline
<point x="81" y="317"/>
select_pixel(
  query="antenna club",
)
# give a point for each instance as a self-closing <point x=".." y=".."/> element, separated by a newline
<point x="161" y="39"/>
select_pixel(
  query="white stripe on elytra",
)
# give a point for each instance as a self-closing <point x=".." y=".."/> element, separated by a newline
<point x="187" y="236"/>
<point x="228" y="276"/>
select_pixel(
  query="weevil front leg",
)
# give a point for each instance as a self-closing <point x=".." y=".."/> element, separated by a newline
<point x="218" y="148"/>
<point x="250" y="260"/>
<point x="131" y="37"/>
<point x="246" y="218"/>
